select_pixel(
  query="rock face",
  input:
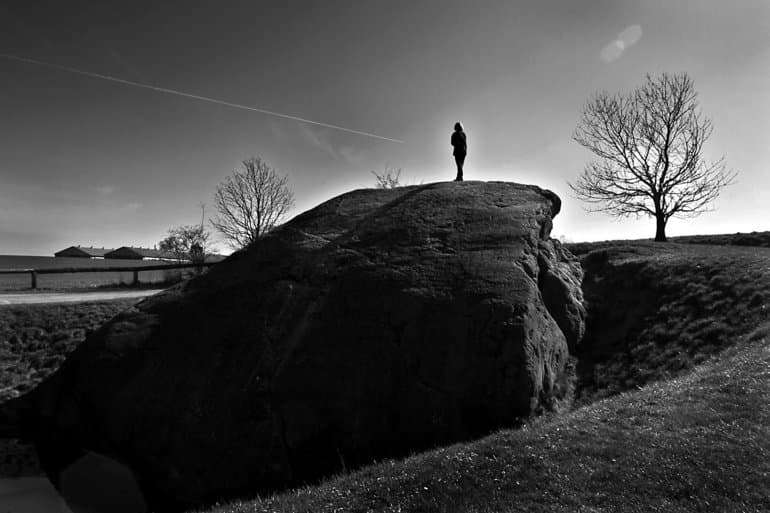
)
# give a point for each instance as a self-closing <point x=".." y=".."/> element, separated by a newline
<point x="379" y="323"/>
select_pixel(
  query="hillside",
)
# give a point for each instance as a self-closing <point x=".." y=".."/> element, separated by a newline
<point x="695" y="443"/>
<point x="672" y="388"/>
<point x="749" y="239"/>
<point x="690" y="433"/>
<point x="755" y="239"/>
<point x="656" y="310"/>
<point x="379" y="323"/>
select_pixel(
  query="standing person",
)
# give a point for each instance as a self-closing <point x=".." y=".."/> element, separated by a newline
<point x="460" y="145"/>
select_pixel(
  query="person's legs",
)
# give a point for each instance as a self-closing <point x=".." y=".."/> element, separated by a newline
<point x="459" y="160"/>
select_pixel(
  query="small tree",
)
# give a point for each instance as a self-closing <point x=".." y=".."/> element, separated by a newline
<point x="250" y="203"/>
<point x="186" y="242"/>
<point x="388" y="179"/>
<point x="650" y="144"/>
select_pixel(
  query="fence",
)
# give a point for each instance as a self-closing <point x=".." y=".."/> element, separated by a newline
<point x="33" y="273"/>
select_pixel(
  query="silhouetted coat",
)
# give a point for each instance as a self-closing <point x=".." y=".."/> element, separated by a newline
<point x="459" y="143"/>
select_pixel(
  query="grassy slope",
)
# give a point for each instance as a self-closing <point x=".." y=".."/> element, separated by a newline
<point x="658" y="310"/>
<point x="695" y="443"/>
<point x="758" y="239"/>
<point x="697" y="440"/>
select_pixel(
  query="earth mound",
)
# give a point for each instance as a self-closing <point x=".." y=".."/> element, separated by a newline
<point x="380" y="323"/>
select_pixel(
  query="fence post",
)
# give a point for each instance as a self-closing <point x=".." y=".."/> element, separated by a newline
<point x="33" y="275"/>
<point x="136" y="277"/>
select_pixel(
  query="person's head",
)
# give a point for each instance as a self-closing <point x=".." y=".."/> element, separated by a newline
<point x="458" y="127"/>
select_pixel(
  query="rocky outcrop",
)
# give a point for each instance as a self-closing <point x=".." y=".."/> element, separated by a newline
<point x="379" y="323"/>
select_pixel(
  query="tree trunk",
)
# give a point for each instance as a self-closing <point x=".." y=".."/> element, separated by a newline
<point x="660" y="228"/>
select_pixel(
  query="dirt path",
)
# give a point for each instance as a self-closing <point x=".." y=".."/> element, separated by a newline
<point x="72" y="297"/>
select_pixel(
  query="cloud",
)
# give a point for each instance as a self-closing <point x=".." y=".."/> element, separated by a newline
<point x="354" y="155"/>
<point x="322" y="139"/>
<point x="625" y="40"/>
<point x="104" y="190"/>
<point x="319" y="139"/>
<point x="275" y="128"/>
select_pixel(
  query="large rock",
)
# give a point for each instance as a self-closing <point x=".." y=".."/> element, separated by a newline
<point x="379" y="323"/>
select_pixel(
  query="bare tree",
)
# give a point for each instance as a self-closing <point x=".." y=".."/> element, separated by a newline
<point x="388" y="179"/>
<point x="650" y="144"/>
<point x="186" y="242"/>
<point x="250" y="203"/>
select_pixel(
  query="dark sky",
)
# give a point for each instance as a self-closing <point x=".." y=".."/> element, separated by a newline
<point x="91" y="161"/>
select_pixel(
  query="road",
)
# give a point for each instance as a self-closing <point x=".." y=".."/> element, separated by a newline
<point x="35" y="298"/>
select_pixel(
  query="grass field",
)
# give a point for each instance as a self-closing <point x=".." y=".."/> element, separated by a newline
<point x="34" y="340"/>
<point x="66" y="281"/>
<point x="756" y="239"/>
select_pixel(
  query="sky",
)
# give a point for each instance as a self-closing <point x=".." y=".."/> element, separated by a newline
<point x="93" y="161"/>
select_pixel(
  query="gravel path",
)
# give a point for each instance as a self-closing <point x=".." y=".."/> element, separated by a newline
<point x="31" y="298"/>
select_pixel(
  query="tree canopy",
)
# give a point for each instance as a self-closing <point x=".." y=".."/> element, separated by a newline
<point x="649" y="144"/>
<point x="187" y="242"/>
<point x="251" y="202"/>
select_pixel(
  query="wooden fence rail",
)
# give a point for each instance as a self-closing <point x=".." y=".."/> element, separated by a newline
<point x="121" y="269"/>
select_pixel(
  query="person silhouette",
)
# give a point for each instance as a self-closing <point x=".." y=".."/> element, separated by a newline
<point x="460" y="145"/>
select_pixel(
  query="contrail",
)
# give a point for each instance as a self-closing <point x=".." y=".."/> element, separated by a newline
<point x="193" y="96"/>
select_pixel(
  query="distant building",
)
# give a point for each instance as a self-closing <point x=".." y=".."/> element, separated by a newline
<point x="131" y="253"/>
<point x="83" y="252"/>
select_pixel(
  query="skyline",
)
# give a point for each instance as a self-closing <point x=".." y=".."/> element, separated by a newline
<point x="92" y="161"/>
